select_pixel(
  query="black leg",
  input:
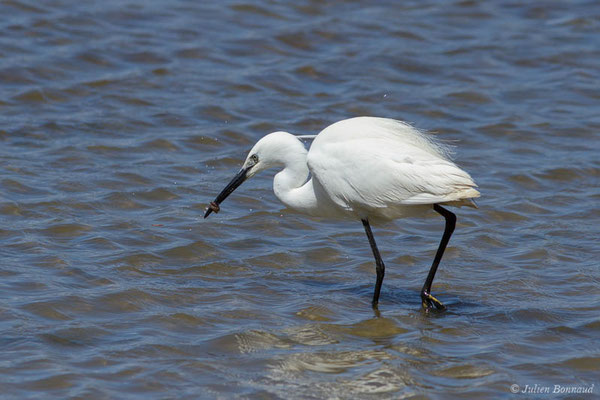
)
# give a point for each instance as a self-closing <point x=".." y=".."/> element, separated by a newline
<point x="428" y="300"/>
<point x="380" y="268"/>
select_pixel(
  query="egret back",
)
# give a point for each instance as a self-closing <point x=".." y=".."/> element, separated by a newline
<point x="379" y="166"/>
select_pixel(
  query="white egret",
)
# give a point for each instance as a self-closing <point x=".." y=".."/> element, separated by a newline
<point x="366" y="168"/>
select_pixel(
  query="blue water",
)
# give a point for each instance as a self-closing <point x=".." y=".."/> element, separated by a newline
<point x="121" y="121"/>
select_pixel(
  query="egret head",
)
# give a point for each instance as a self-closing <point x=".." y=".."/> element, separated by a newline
<point x="270" y="151"/>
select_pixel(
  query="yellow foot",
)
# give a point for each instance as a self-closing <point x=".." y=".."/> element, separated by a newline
<point x="428" y="302"/>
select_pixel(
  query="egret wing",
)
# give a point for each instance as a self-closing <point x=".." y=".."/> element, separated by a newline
<point x="376" y="172"/>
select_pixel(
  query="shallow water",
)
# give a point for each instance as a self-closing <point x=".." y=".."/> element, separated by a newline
<point x="121" y="121"/>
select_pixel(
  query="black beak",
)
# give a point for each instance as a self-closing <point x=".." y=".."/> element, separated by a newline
<point x="231" y="186"/>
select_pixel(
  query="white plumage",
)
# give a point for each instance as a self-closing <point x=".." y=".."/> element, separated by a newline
<point x="376" y="167"/>
<point x="367" y="168"/>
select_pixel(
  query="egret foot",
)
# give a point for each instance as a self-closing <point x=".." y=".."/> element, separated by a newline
<point x="428" y="302"/>
<point x="376" y="311"/>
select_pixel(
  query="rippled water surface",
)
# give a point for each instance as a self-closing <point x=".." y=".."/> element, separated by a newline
<point x="122" y="120"/>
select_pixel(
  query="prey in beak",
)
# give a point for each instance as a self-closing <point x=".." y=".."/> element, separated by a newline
<point x="231" y="186"/>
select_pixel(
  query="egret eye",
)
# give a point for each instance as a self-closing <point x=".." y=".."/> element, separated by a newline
<point x="254" y="159"/>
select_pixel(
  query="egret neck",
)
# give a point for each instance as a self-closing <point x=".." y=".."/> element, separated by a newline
<point x="290" y="185"/>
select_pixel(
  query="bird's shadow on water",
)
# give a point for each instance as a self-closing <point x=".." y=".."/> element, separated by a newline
<point x="393" y="301"/>
<point x="403" y="300"/>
